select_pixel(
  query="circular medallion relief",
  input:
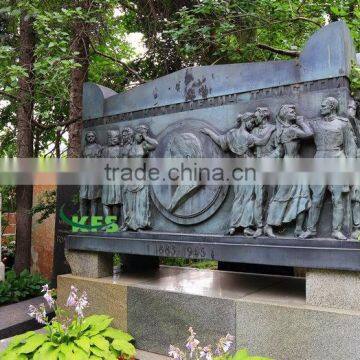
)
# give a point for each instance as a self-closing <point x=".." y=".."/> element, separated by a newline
<point x="187" y="203"/>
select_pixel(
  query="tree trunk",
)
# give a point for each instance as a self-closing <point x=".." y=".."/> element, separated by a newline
<point x="24" y="193"/>
<point x="79" y="47"/>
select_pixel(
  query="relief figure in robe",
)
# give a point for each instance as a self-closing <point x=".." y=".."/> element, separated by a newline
<point x="290" y="202"/>
<point x="355" y="189"/>
<point x="136" y="202"/>
<point x="240" y="141"/>
<point x="90" y="195"/>
<point x="263" y="150"/>
<point x="111" y="193"/>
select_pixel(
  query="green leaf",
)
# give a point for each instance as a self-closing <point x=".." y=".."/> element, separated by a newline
<point x="48" y="351"/>
<point x="16" y="340"/>
<point x="116" y="334"/>
<point x="83" y="343"/>
<point x="32" y="343"/>
<point x="96" y="351"/>
<point x="80" y="354"/>
<point x="100" y="342"/>
<point x="12" y="355"/>
<point x="97" y="324"/>
<point x="241" y="355"/>
<point x="66" y="350"/>
<point x="125" y="347"/>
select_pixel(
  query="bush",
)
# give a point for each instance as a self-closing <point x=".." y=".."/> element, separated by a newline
<point x="70" y="336"/>
<point x="8" y="252"/>
<point x="17" y="288"/>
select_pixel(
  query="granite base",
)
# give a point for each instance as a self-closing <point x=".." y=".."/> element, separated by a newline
<point x="268" y="315"/>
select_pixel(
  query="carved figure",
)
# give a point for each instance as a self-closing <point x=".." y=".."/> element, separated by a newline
<point x="355" y="190"/>
<point x="136" y="206"/>
<point x="127" y="139"/>
<point x="262" y="126"/>
<point x="239" y="141"/>
<point x="90" y="194"/>
<point x="111" y="194"/>
<point x="334" y="138"/>
<point x="355" y="210"/>
<point x="185" y="145"/>
<point x="289" y="202"/>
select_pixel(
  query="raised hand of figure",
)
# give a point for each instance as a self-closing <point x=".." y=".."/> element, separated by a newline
<point x="205" y="131"/>
<point x="299" y="120"/>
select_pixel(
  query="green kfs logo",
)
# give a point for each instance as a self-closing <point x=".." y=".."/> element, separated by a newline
<point x="90" y="223"/>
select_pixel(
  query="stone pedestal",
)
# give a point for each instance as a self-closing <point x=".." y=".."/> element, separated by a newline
<point x="333" y="289"/>
<point x="268" y="315"/>
<point x="89" y="264"/>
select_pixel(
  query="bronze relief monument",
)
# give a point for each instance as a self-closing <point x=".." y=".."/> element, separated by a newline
<point x="275" y="110"/>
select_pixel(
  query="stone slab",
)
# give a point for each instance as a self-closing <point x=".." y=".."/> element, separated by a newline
<point x="285" y="332"/>
<point x="267" y="314"/>
<point x="159" y="318"/>
<point x="333" y="289"/>
<point x="90" y="264"/>
<point x="146" y="355"/>
<point x="105" y="297"/>
<point x="14" y="319"/>
<point x="285" y="251"/>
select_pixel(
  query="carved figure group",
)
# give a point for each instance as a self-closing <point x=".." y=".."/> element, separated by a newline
<point x="128" y="202"/>
<point x="256" y="136"/>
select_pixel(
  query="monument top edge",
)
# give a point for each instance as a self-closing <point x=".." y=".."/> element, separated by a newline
<point x="328" y="53"/>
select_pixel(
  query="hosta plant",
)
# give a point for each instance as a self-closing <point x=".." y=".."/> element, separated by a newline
<point x="69" y="337"/>
<point x="221" y="351"/>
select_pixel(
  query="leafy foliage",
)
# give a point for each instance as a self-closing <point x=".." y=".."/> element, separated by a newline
<point x="194" y="263"/>
<point x="70" y="335"/>
<point x="17" y="288"/>
<point x="46" y="205"/>
<point x="355" y="81"/>
<point x="8" y="252"/>
<point x="54" y="61"/>
<point x="224" y="31"/>
<point x="90" y="339"/>
<point x="242" y="354"/>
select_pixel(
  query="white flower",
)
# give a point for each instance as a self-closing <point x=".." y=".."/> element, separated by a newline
<point x="228" y="341"/>
<point x="175" y="353"/>
<point x="81" y="304"/>
<point x="38" y="313"/>
<point x="206" y="353"/>
<point x="224" y="344"/>
<point x="192" y="342"/>
<point x="72" y="299"/>
<point x="47" y="296"/>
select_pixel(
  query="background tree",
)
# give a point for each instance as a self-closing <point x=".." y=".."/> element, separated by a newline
<point x="24" y="193"/>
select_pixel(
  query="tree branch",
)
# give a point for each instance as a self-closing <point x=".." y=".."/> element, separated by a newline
<point x="301" y="18"/>
<point x="12" y="97"/>
<point x="291" y="53"/>
<point x="134" y="72"/>
<point x="51" y="126"/>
